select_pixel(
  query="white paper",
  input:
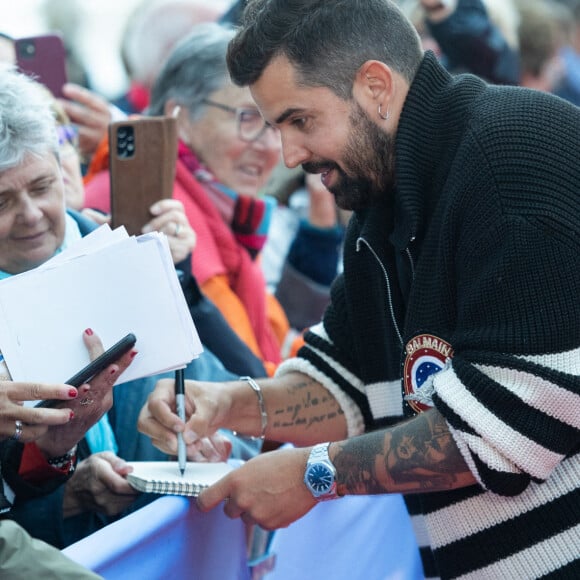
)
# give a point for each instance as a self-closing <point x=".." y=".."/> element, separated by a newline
<point x="121" y="284"/>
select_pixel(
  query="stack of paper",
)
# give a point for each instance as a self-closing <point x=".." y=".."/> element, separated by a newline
<point x="111" y="282"/>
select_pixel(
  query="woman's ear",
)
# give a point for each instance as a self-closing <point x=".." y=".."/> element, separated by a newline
<point x="172" y="109"/>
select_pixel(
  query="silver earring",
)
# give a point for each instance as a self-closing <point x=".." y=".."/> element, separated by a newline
<point x="385" y="116"/>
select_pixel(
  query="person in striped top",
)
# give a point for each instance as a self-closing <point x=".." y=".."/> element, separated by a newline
<point x="447" y="365"/>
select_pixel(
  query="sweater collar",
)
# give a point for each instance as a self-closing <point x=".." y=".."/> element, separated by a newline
<point x="430" y="128"/>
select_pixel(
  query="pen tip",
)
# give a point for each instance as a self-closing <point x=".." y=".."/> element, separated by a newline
<point x="182" y="469"/>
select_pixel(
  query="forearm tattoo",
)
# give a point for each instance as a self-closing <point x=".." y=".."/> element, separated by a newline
<point x="415" y="456"/>
<point x="311" y="406"/>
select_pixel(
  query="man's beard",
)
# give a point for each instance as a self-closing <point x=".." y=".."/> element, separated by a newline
<point x="369" y="159"/>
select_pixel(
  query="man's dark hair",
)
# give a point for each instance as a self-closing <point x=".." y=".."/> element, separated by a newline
<point x="326" y="40"/>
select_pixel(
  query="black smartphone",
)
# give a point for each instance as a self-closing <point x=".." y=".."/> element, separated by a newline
<point x="96" y="366"/>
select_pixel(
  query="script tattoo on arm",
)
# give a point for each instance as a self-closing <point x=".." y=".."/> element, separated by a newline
<point x="311" y="406"/>
<point x="418" y="455"/>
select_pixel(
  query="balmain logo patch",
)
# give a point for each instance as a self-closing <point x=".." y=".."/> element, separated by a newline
<point x="425" y="355"/>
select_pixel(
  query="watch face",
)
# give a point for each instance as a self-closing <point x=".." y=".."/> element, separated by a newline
<point x="319" y="478"/>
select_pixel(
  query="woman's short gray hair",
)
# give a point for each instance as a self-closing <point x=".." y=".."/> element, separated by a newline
<point x="27" y="124"/>
<point x="195" y="68"/>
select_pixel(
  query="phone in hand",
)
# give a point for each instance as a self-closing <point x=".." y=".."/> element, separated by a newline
<point x="44" y="58"/>
<point x="96" y="366"/>
<point x="142" y="157"/>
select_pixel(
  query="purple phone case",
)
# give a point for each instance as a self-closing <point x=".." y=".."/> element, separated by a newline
<point x="44" y="58"/>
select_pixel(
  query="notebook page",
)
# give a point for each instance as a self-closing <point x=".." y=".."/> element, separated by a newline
<point x="199" y="474"/>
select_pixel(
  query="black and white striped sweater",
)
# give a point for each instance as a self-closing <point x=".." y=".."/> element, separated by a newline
<point x="472" y="269"/>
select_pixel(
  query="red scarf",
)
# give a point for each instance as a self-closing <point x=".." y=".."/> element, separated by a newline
<point x="219" y="251"/>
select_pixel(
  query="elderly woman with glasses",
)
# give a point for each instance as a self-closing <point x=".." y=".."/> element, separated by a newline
<point x="226" y="156"/>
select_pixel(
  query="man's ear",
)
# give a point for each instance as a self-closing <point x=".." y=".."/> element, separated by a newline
<point x="374" y="86"/>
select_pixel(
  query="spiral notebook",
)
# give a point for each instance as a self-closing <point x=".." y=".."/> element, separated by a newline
<point x="164" y="477"/>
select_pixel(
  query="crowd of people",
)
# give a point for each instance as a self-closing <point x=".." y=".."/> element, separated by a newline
<point x="375" y="222"/>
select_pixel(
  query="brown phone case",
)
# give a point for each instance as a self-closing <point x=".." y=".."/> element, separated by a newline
<point x="44" y="58"/>
<point x="142" y="156"/>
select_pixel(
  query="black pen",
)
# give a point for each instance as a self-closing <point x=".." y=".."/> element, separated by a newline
<point x="180" y="404"/>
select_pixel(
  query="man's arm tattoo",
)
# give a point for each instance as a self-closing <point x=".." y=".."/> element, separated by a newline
<point x="418" y="455"/>
<point x="311" y="406"/>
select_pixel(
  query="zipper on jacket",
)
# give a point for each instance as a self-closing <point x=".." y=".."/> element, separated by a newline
<point x="410" y="256"/>
<point x="386" y="275"/>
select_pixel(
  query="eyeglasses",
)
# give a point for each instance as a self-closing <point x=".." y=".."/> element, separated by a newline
<point x="251" y="125"/>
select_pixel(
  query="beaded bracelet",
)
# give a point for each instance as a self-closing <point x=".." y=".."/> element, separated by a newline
<point x="66" y="461"/>
<point x="264" y="416"/>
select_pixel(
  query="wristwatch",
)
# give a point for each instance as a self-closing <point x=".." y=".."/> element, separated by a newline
<point x="320" y="474"/>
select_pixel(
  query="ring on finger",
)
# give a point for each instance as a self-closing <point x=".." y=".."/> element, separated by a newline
<point x="18" y="431"/>
<point x="177" y="228"/>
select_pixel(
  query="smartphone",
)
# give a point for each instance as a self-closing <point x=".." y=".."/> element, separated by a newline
<point x="142" y="157"/>
<point x="96" y="366"/>
<point x="44" y="58"/>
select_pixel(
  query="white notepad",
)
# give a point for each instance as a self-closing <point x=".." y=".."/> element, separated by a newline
<point x="164" y="477"/>
<point x="108" y="281"/>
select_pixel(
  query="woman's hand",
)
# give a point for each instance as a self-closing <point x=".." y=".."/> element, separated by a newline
<point x="322" y="212"/>
<point x="35" y="422"/>
<point x="93" y="401"/>
<point x="90" y="112"/>
<point x="99" y="485"/>
<point x="97" y="216"/>
<point x="169" y="217"/>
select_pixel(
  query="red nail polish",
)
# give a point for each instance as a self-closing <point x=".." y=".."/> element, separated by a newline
<point x="72" y="415"/>
<point x="89" y="331"/>
<point x="133" y="354"/>
<point x="72" y="393"/>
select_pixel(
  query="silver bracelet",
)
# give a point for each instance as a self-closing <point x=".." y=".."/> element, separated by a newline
<point x="264" y="416"/>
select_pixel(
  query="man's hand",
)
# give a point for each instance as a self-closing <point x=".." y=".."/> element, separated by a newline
<point x="99" y="485"/>
<point x="205" y="409"/>
<point x="159" y="420"/>
<point x="216" y="447"/>
<point x="268" y="490"/>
